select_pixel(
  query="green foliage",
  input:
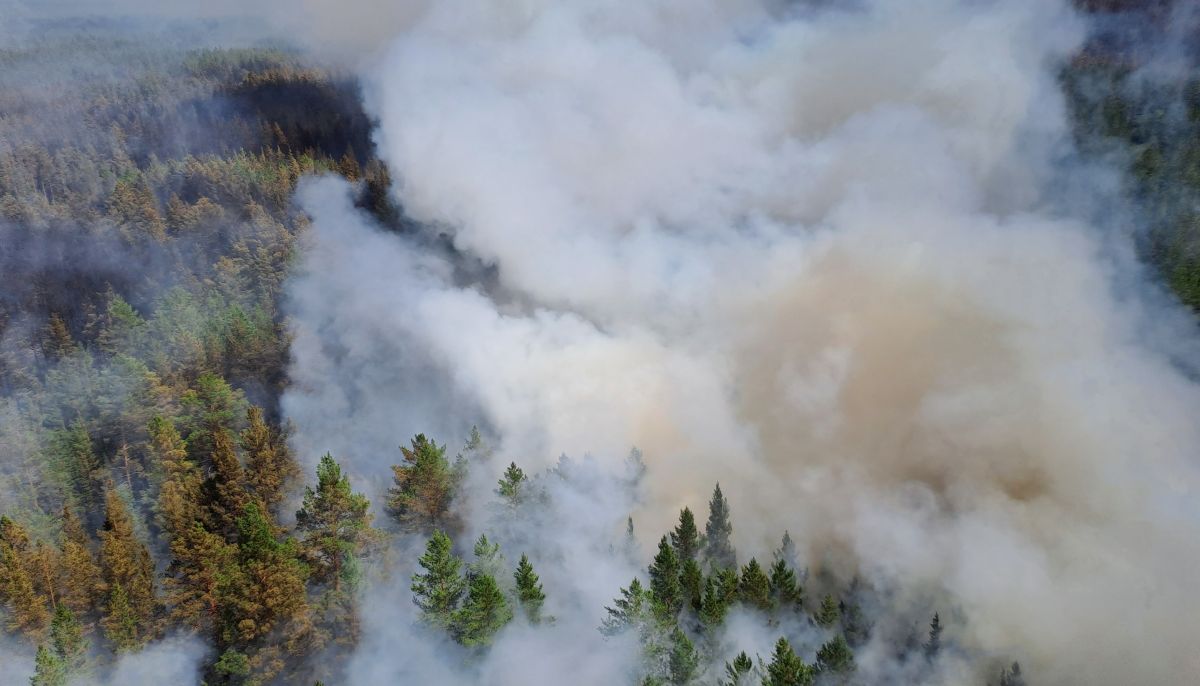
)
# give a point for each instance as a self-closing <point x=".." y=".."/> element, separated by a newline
<point x="665" y="587"/>
<point x="335" y="525"/>
<point x="438" y="589"/>
<point x="630" y="609"/>
<point x="786" y="592"/>
<point x="484" y="612"/>
<point x="835" y="657"/>
<point x="423" y="486"/>
<point x="49" y="669"/>
<point x="754" y="588"/>
<point x="512" y="486"/>
<point x="786" y="668"/>
<point x="739" y="672"/>
<point x="718" y="547"/>
<point x="933" y="646"/>
<point x="529" y="591"/>
<point x="684" y="662"/>
<point x="685" y="539"/>
<point x="829" y="613"/>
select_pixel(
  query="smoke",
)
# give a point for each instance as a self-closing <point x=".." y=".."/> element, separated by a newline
<point x="818" y="254"/>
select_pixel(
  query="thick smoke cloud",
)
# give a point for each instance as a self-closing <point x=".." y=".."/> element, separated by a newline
<point x="817" y="254"/>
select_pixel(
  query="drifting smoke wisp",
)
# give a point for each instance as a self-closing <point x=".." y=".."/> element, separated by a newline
<point x="808" y="252"/>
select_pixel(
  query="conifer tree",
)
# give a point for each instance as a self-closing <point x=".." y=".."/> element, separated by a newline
<point x="828" y="613"/>
<point x="665" y="587"/>
<point x="270" y="466"/>
<point x="685" y="539"/>
<point x="529" y="591"/>
<point x="754" y="588"/>
<point x="786" y="668"/>
<point x="66" y="636"/>
<point x="718" y="549"/>
<point x="691" y="581"/>
<point x="488" y="559"/>
<point x="225" y="488"/>
<point x="683" y="662"/>
<point x="272" y="590"/>
<point x="27" y="609"/>
<point x="739" y="672"/>
<point x="49" y="669"/>
<point x="129" y="573"/>
<point x="484" y="612"/>
<point x="511" y="487"/>
<point x="82" y="584"/>
<point x="835" y="657"/>
<point x="438" y="590"/>
<point x="76" y="462"/>
<point x="1012" y="676"/>
<point x="934" y="644"/>
<point x="720" y="592"/>
<point x="423" y="486"/>
<point x="334" y="523"/>
<point x="787" y="551"/>
<point x="785" y="590"/>
<point x="631" y="609"/>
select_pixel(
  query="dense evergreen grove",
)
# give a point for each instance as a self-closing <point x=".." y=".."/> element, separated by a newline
<point x="146" y="482"/>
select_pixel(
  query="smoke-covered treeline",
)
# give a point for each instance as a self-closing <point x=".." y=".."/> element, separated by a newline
<point x="890" y="272"/>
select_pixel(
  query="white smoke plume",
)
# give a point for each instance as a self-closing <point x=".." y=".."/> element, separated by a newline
<point x="814" y="251"/>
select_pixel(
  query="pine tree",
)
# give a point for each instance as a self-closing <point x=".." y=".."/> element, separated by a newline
<point x="270" y="466"/>
<point x="49" y="669"/>
<point x="27" y="609"/>
<point x="225" y="488"/>
<point x="739" y="672"/>
<point x="934" y="644"/>
<point x="69" y="644"/>
<point x="271" y="592"/>
<point x="754" y="588"/>
<point x="683" y="662"/>
<point x="335" y="524"/>
<point x="718" y="549"/>
<point x="76" y="462"/>
<point x="787" y="551"/>
<point x="835" y="657"/>
<point x="786" y="669"/>
<point x="484" y="612"/>
<point x="437" y="591"/>
<point x="512" y="486"/>
<point x="129" y="573"/>
<point x="1012" y="676"/>
<point x="828" y="613"/>
<point x="631" y="609"/>
<point x="720" y="592"/>
<point x="488" y="559"/>
<point x="685" y="539"/>
<point x="785" y="590"/>
<point x="82" y="584"/>
<point x="665" y="588"/>
<point x="423" y="486"/>
<point x="529" y="591"/>
<point x="691" y="581"/>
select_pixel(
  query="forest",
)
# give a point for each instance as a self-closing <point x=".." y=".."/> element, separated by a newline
<point x="149" y="486"/>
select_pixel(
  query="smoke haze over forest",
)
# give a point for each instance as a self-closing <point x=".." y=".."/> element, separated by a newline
<point x="915" y="281"/>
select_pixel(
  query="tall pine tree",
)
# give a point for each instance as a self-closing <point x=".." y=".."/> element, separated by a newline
<point x="718" y="547"/>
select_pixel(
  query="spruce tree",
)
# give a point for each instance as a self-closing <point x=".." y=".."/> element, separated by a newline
<point x="49" y="669"/>
<point x="785" y="590"/>
<point x="488" y="559"/>
<point x="835" y="657"/>
<point x="511" y="488"/>
<point x="787" y="551"/>
<point x="786" y="668"/>
<point x="683" y="662"/>
<point x="529" y="591"/>
<point x="665" y="587"/>
<point x="225" y="490"/>
<point x="718" y="548"/>
<point x="82" y="585"/>
<point x="739" y="672"/>
<point x="934" y="644"/>
<point x="129" y="572"/>
<point x="423" y="486"/>
<point x="272" y="590"/>
<point x="335" y="525"/>
<point x="828" y="614"/>
<point x="720" y="592"/>
<point x="270" y="466"/>
<point x="631" y="609"/>
<point x="754" y="587"/>
<point x="484" y="612"/>
<point x="685" y="539"/>
<point x="27" y="609"/>
<point x="69" y="644"/>
<point x="691" y="581"/>
<point x="437" y="591"/>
